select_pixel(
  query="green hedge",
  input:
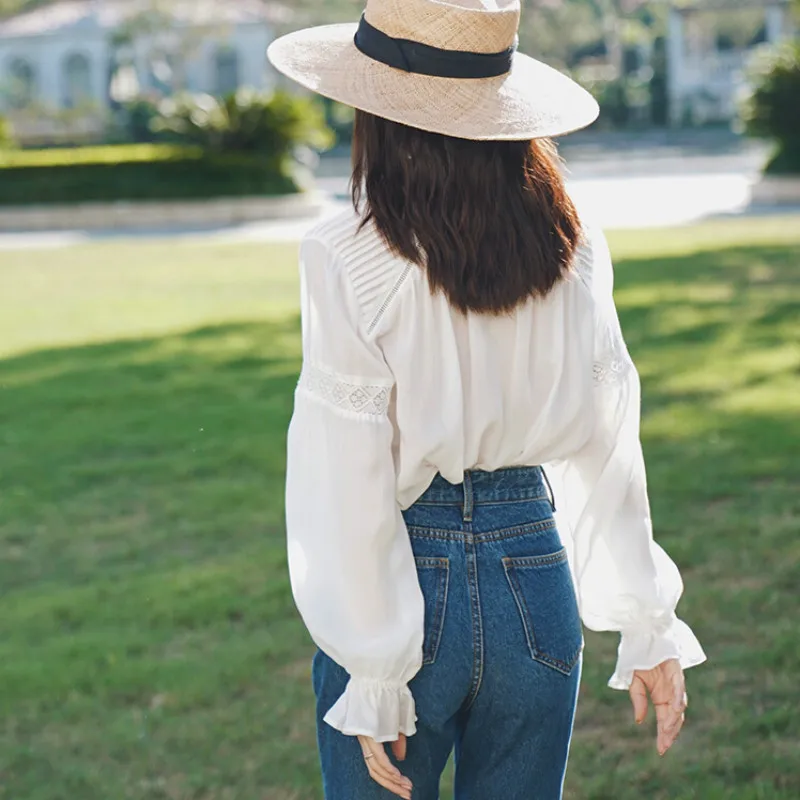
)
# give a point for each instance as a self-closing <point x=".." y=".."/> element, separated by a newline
<point x="6" y="136"/>
<point x="108" y="154"/>
<point x="134" y="172"/>
<point x="785" y="161"/>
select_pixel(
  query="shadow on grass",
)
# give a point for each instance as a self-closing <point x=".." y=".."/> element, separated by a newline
<point x="184" y="433"/>
<point x="148" y="638"/>
<point x="715" y="336"/>
<point x="721" y="285"/>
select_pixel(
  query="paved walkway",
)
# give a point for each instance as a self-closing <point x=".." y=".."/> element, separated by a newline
<point x="618" y="182"/>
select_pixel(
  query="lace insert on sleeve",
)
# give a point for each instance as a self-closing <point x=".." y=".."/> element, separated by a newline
<point x="345" y="393"/>
<point x="612" y="363"/>
<point x="612" y="371"/>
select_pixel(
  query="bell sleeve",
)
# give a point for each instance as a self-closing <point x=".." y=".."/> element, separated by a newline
<point x="352" y="569"/>
<point x="625" y="581"/>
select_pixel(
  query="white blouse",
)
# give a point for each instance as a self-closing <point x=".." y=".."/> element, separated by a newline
<point x="397" y="386"/>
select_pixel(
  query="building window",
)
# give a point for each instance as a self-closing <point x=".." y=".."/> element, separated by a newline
<point x="21" y="83"/>
<point x="227" y="71"/>
<point x="77" y="80"/>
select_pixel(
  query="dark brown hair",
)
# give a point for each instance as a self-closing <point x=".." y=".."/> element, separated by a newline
<point x="490" y="222"/>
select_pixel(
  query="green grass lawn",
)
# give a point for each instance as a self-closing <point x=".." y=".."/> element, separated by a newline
<point x="149" y="647"/>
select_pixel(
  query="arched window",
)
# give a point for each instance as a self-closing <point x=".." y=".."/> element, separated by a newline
<point x="77" y="76"/>
<point x="227" y="71"/>
<point x="21" y="83"/>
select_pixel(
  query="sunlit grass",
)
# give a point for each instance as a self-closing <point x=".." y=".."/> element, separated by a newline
<point x="148" y="643"/>
<point x="124" y="289"/>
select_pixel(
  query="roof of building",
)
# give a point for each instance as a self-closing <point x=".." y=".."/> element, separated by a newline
<point x="109" y="14"/>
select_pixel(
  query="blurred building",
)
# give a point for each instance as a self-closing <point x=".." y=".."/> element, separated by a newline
<point x="86" y="56"/>
<point x="707" y="69"/>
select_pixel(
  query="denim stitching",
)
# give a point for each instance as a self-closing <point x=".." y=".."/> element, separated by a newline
<point x="441" y="609"/>
<point x="482" y="503"/>
<point x="477" y="624"/>
<point x="469" y="499"/>
<point x="442" y="565"/>
<point x="523" y="612"/>
<point x="454" y="495"/>
<point x="523" y="562"/>
<point x="552" y="494"/>
<point x="423" y="532"/>
<point x="536" y="561"/>
<point x="479" y="631"/>
<point x="431" y="561"/>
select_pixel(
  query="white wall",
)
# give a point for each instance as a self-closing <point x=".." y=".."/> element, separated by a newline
<point x="34" y="53"/>
<point x="48" y="54"/>
<point x="255" y="70"/>
<point x="250" y="43"/>
<point x="707" y="82"/>
<point x="97" y="51"/>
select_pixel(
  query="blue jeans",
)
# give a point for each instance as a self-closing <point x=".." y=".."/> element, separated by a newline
<point x="502" y="651"/>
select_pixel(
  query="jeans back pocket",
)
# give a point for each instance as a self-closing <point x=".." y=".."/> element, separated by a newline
<point x="545" y="596"/>
<point x="434" y="576"/>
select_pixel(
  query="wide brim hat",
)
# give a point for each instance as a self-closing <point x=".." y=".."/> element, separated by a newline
<point x="446" y="66"/>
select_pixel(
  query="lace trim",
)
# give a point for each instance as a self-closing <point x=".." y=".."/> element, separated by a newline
<point x="611" y="372"/>
<point x="612" y="363"/>
<point x="389" y="298"/>
<point x="347" y="394"/>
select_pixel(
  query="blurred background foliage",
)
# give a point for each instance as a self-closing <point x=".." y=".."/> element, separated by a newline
<point x="773" y="109"/>
<point x="149" y="646"/>
<point x="136" y="172"/>
<point x="187" y="146"/>
<point x="6" y="134"/>
<point x="245" y="121"/>
<point x="618" y="49"/>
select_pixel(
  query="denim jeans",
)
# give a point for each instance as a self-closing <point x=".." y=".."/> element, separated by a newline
<point x="502" y="649"/>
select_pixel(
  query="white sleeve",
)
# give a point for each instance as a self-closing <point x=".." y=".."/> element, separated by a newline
<point x="625" y="581"/>
<point x="352" y="568"/>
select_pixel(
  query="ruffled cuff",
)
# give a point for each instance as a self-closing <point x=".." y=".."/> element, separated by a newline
<point x="380" y="709"/>
<point x="646" y="649"/>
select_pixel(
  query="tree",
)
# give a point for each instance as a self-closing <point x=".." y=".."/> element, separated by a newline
<point x="167" y="47"/>
<point x="550" y="29"/>
<point x="772" y="110"/>
<point x="555" y="29"/>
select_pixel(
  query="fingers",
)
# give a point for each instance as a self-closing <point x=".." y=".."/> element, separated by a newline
<point x="399" y="748"/>
<point x="381" y="769"/>
<point x="666" y="687"/>
<point x="670" y="711"/>
<point x="679" y="698"/>
<point x="670" y="723"/>
<point x="638" y="692"/>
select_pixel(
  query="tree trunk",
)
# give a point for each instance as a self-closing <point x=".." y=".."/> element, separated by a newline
<point x="612" y="36"/>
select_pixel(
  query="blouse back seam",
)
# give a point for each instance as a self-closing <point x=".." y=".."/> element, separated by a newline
<point x="389" y="298"/>
<point x="350" y="265"/>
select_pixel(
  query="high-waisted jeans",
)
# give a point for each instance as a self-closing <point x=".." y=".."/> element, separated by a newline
<point x="502" y="650"/>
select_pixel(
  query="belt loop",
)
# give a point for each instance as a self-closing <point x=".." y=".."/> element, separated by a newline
<point x="549" y="488"/>
<point x="468" y="498"/>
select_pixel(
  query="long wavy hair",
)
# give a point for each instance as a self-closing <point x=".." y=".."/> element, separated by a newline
<point x="489" y="221"/>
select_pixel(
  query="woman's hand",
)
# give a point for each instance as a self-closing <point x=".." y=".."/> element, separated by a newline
<point x="382" y="770"/>
<point x="667" y="689"/>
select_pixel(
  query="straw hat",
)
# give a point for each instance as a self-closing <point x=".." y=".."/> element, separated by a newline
<point x="447" y="66"/>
